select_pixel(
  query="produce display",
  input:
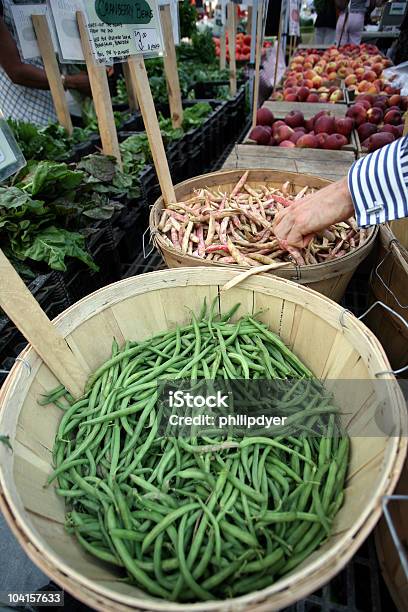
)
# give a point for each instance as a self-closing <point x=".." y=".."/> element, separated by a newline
<point x="379" y="119"/>
<point x="202" y="517"/>
<point x="315" y="76"/>
<point x="236" y="228"/>
<point x="323" y="131"/>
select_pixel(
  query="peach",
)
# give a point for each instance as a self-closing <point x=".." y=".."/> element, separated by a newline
<point x="290" y="98"/>
<point x="309" y="74"/>
<point x="370" y="75"/>
<point x="350" y="80"/>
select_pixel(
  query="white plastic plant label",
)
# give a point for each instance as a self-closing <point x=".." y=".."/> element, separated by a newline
<point x="23" y="24"/>
<point x="11" y="157"/>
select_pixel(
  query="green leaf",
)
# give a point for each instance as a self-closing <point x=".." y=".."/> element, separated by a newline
<point x="52" y="245"/>
<point x="101" y="167"/>
<point x="49" y="177"/>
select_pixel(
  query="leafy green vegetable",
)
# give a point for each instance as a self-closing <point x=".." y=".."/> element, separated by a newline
<point x="52" y="245"/>
<point x="45" y="215"/>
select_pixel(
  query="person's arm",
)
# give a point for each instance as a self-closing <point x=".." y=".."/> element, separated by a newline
<point x="27" y="74"/>
<point x="375" y="190"/>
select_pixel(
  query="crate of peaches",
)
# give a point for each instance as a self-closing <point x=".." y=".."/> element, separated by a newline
<point x="317" y="76"/>
<point x="379" y="119"/>
<point x="322" y="131"/>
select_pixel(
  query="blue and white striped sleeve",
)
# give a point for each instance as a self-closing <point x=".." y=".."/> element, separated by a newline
<point x="378" y="184"/>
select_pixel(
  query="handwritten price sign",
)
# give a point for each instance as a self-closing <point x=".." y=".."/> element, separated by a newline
<point x="147" y="41"/>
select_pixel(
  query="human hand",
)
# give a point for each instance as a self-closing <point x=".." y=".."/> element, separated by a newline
<point x="79" y="81"/>
<point x="295" y="225"/>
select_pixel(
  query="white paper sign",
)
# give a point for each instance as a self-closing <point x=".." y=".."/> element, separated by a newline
<point x="25" y="31"/>
<point x="110" y="42"/>
<point x="117" y="42"/>
<point x="175" y="23"/>
<point x="294" y="25"/>
<point x="64" y="16"/>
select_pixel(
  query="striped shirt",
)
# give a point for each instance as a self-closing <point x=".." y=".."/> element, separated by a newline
<point x="378" y="184"/>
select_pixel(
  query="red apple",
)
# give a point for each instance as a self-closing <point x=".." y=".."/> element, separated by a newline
<point x="335" y="141"/>
<point x="283" y="132"/>
<point x="393" y="117"/>
<point x="358" y="113"/>
<point x="309" y="123"/>
<point x="294" y="119"/>
<point x="375" y="115"/>
<point x="325" y="124"/>
<point x="343" y="125"/>
<point x="295" y="136"/>
<point x="264" y="116"/>
<point x="287" y="144"/>
<point x="365" y="130"/>
<point x="392" y="129"/>
<point x="321" y="139"/>
<point x="277" y="124"/>
<point x="400" y="130"/>
<point x="260" y="134"/>
<point x="313" y="97"/>
<point x="376" y="141"/>
<point x="307" y="141"/>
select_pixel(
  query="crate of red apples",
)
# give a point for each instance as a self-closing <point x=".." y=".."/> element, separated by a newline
<point x="322" y="131"/>
<point x="316" y="76"/>
<point x="379" y="119"/>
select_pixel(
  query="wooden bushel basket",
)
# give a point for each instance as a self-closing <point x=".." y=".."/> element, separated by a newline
<point x="330" y="341"/>
<point x="330" y="278"/>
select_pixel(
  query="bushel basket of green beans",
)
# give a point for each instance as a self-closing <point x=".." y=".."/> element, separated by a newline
<point x="204" y="517"/>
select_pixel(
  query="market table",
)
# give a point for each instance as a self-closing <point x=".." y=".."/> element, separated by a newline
<point x="332" y="165"/>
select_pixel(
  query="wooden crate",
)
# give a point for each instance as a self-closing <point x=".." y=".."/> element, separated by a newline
<point x="309" y="109"/>
<point x="332" y="165"/>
